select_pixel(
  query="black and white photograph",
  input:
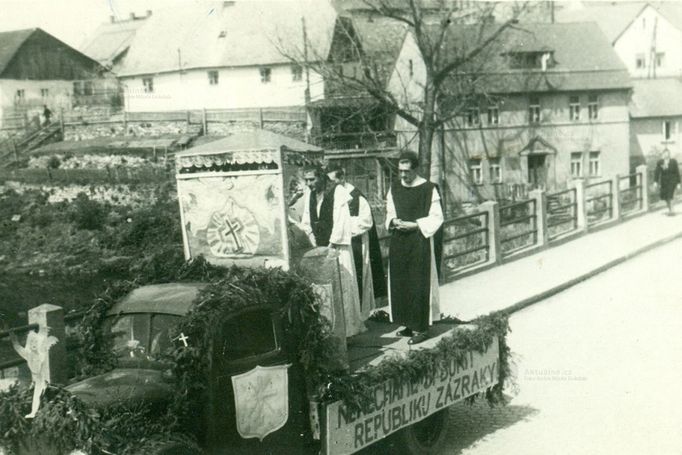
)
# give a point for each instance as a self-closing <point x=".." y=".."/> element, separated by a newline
<point x="335" y="227"/>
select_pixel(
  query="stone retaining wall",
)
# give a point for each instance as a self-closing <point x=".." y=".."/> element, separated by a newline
<point x="85" y="131"/>
<point x="295" y="130"/>
<point x="121" y="194"/>
<point x="144" y="129"/>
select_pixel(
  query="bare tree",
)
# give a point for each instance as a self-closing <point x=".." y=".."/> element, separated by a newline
<point x="451" y="75"/>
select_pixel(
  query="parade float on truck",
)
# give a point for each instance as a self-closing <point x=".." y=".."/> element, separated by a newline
<point x="241" y="350"/>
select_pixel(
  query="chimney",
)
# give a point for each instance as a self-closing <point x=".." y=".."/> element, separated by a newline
<point x="149" y="13"/>
<point x="112" y="19"/>
<point x="132" y="16"/>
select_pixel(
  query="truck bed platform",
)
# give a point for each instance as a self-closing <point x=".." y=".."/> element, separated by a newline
<point x="380" y="341"/>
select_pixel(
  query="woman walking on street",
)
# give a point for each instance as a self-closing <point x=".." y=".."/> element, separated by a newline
<point x="667" y="177"/>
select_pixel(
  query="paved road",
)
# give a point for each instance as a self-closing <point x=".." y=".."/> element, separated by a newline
<point x="599" y="369"/>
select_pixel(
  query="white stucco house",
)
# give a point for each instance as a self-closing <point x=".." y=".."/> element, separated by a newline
<point x="655" y="119"/>
<point x="647" y="36"/>
<point x="651" y="44"/>
<point x="227" y="55"/>
<point x="547" y="103"/>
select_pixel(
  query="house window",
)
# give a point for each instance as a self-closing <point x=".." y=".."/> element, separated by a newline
<point x="77" y="88"/>
<point x="593" y="107"/>
<point x="574" y="108"/>
<point x="148" y="84"/>
<point x="473" y="117"/>
<point x="476" y="172"/>
<point x="594" y="167"/>
<point x="411" y="67"/>
<point x="576" y="164"/>
<point x="213" y="77"/>
<point x="20" y="96"/>
<point x="296" y="73"/>
<point x="88" y="88"/>
<point x="495" y="170"/>
<point x="44" y="93"/>
<point x="640" y="61"/>
<point x="534" y="109"/>
<point x="265" y="75"/>
<point x="660" y="59"/>
<point x="493" y="115"/>
<point x="667" y="130"/>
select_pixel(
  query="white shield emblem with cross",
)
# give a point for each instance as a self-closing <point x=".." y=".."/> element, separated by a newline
<point x="261" y="398"/>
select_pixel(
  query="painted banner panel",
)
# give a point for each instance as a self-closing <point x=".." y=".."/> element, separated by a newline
<point x="234" y="219"/>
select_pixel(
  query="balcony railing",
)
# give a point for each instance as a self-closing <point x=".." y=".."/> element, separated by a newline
<point x="363" y="140"/>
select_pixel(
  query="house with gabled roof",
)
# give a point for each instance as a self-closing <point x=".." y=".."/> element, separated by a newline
<point x="650" y="44"/>
<point x="348" y="117"/>
<point x="645" y="35"/>
<point x="38" y="69"/>
<point x="110" y="42"/>
<point x="546" y="103"/>
<point x="655" y="119"/>
<point x="227" y="55"/>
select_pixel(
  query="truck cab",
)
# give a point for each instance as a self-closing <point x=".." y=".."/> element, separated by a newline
<point x="140" y="326"/>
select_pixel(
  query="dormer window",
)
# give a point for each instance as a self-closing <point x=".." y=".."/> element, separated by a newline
<point x="531" y="60"/>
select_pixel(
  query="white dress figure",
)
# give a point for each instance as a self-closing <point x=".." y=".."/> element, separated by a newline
<point x="35" y="353"/>
<point x="339" y="240"/>
<point x="360" y="226"/>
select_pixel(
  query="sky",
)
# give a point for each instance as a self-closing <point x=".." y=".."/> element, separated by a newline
<point x="72" y="21"/>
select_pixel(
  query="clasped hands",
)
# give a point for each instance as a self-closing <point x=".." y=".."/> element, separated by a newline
<point x="404" y="226"/>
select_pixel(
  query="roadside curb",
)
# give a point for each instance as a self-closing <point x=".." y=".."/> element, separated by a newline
<point x="570" y="283"/>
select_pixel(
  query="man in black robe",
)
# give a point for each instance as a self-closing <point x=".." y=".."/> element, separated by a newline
<point x="326" y="219"/>
<point x="413" y="216"/>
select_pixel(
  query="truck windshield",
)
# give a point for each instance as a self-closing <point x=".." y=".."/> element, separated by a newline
<point x="141" y="335"/>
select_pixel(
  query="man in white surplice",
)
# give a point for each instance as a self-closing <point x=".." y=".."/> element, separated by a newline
<point x="365" y="244"/>
<point x="326" y="219"/>
<point x="413" y="216"/>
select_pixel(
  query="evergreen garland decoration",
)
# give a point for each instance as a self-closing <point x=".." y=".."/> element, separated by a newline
<point x="355" y="389"/>
<point x="307" y="340"/>
<point x="65" y="423"/>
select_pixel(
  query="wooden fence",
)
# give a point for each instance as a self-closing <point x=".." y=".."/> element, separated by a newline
<point x="203" y="117"/>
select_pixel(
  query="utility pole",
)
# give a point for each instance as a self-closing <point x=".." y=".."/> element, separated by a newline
<point x="305" y="61"/>
<point x="652" y="52"/>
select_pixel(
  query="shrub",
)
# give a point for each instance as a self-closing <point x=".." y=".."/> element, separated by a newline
<point x="53" y="162"/>
<point x="88" y="214"/>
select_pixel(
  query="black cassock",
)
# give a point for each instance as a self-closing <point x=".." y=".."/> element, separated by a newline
<point x="410" y="258"/>
<point x="375" y="260"/>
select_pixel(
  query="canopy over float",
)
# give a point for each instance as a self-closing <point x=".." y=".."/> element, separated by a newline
<point x="233" y="195"/>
